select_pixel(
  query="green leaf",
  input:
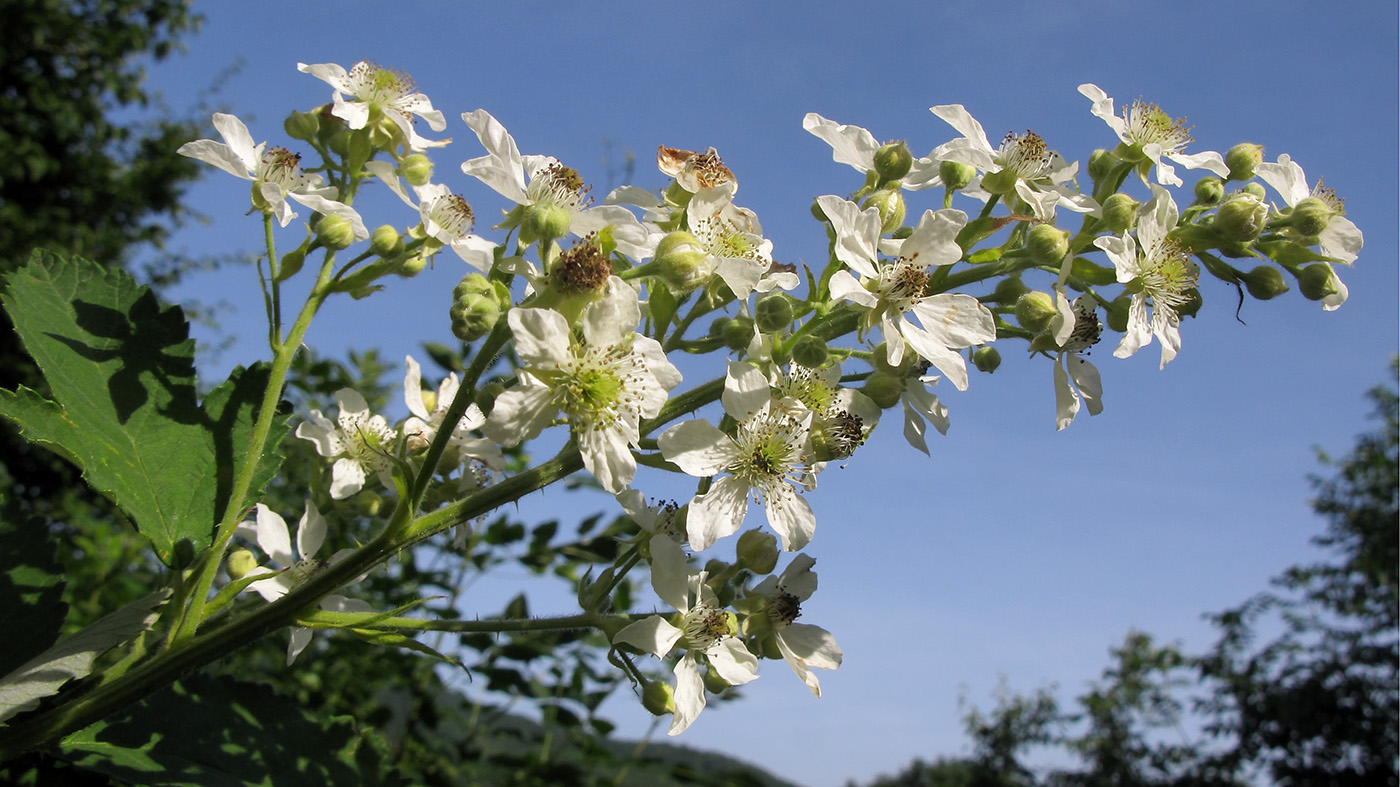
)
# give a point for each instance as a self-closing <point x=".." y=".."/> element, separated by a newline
<point x="125" y="409"/>
<point x="217" y="731"/>
<point x="44" y="674"/>
<point x="31" y="593"/>
<point x="662" y="304"/>
<point x="1290" y="254"/>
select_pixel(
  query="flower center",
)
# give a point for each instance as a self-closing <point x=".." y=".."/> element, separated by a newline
<point x="1025" y="155"/>
<point x="453" y="214"/>
<point x="583" y="268"/>
<point x="366" y="442"/>
<point x="281" y="167"/>
<point x="558" y="185"/>
<point x="1086" y="327"/>
<point x="902" y="284"/>
<point x="1329" y="198"/>
<point x="377" y="85"/>
<point x="770" y="448"/>
<point x="845" y="431"/>
<point x="1148" y="123"/>
<point x="599" y="385"/>
<point x="705" y="626"/>
<point x="1167" y="275"/>
<point x="782" y="607"/>
<point x="807" y="387"/>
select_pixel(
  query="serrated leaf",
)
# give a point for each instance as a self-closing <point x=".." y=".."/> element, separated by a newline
<point x="125" y="408"/>
<point x="44" y="674"/>
<point x="31" y="593"/>
<point x="218" y="731"/>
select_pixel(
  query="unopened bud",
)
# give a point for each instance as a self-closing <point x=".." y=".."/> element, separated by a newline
<point x="1120" y="213"/>
<point x="1265" y="282"/>
<point x="986" y="359"/>
<point x="1047" y="245"/>
<point x="1210" y="190"/>
<point x="1009" y="289"/>
<point x="1101" y="162"/>
<point x="1116" y="313"/>
<point x="737" y="333"/>
<point x="544" y="222"/>
<point x="368" y="503"/>
<point x="810" y="351"/>
<point x="386" y="242"/>
<point x="339" y="143"/>
<point x="757" y="551"/>
<point x="955" y="175"/>
<point x="890" y="202"/>
<point x="1317" y="281"/>
<point x="1034" y="310"/>
<point x="883" y="389"/>
<point x="416" y="168"/>
<point x="335" y="232"/>
<point x="302" y="125"/>
<point x="241" y="563"/>
<point x="880" y="359"/>
<point x="659" y="698"/>
<point x="477" y="303"/>
<point x="773" y="313"/>
<point x="713" y="682"/>
<point x="1255" y="189"/>
<point x="486" y="395"/>
<point x="1242" y="217"/>
<point x="1310" y="217"/>
<point x="682" y="263"/>
<point x="1192" y="304"/>
<point x="893" y="161"/>
<point x="412" y="266"/>
<point x="1242" y="159"/>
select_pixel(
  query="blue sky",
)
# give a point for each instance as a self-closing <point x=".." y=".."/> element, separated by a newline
<point x="1014" y="551"/>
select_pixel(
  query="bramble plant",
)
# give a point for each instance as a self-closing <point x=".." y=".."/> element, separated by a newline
<point x="570" y="321"/>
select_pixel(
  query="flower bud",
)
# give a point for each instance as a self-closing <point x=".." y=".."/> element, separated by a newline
<point x="477" y="303"/>
<point x="883" y="389"/>
<point x="890" y="202"/>
<point x="893" y="161"/>
<point x="1034" y="310"/>
<point x="810" y="351"/>
<point x="369" y="503"/>
<point x="658" y="698"/>
<point x="1265" y="282"/>
<point x="241" y="563"/>
<point x="1192" y="304"/>
<point x="544" y="222"/>
<point x="1310" y="217"/>
<point x="773" y="313"/>
<point x="956" y="176"/>
<point x="291" y="263"/>
<point x="339" y="143"/>
<point x="1116" y="313"/>
<point x="986" y="359"/>
<point x="737" y="333"/>
<point x="386" y="242"/>
<point x="682" y="263"/>
<point x="302" y="125"/>
<point x="1009" y="289"/>
<point x="335" y="232"/>
<point x="1101" y="162"/>
<point x="1210" y="190"/>
<point x="1120" y="213"/>
<point x="1047" y="245"/>
<point x="1317" y="281"/>
<point x="713" y="682"/>
<point x="416" y="168"/>
<point x="880" y="359"/>
<point x="1255" y="189"/>
<point x="486" y="395"/>
<point x="757" y="551"/>
<point x="1242" y="159"/>
<point x="412" y="266"/>
<point x="1241" y="218"/>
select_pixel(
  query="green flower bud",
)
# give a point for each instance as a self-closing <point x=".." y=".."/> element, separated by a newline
<point x="1310" y="217"/>
<point x="412" y="266"/>
<point x="883" y="389"/>
<point x="477" y="303"/>
<point x="1034" y="310"/>
<point x="339" y="143"/>
<point x="1210" y="190"/>
<point x="1116" y="313"/>
<point x="658" y="698"/>
<point x="1009" y="289"/>
<point x="773" y="313"/>
<point x="713" y="682"/>
<point x="416" y="168"/>
<point x="954" y="175"/>
<point x="1317" y="281"/>
<point x="1241" y="218"/>
<point x="486" y="395"/>
<point x="717" y="327"/>
<point x="241" y="563"/>
<point x="890" y="202"/>
<point x="1120" y="213"/>
<point x="810" y="351"/>
<point x="757" y="551"/>
<point x="986" y="359"/>
<point x="893" y="161"/>
<point x="1265" y="282"/>
<point x="1101" y="162"/>
<point x="544" y="222"/>
<point x="335" y="232"/>
<point x="737" y="333"/>
<point x="302" y="125"/>
<point x="1242" y="159"/>
<point x="386" y="242"/>
<point x="1191" y="305"/>
<point x="291" y="263"/>
<point x="880" y="359"/>
<point x="369" y="503"/>
<point x="1047" y="245"/>
<point x="1255" y="189"/>
<point x="682" y="263"/>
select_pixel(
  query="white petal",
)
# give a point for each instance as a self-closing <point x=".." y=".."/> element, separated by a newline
<point x="1066" y="400"/>
<point x="717" y="513"/>
<point x="934" y="240"/>
<point x="347" y="478"/>
<point x="273" y="537"/>
<point x="957" y="320"/>
<point x="541" y="336"/>
<point x="931" y="348"/>
<point x="218" y="155"/>
<point x="790" y="516"/>
<point x="844" y="286"/>
<point x="300" y="639"/>
<point x="813" y="644"/>
<point x="798" y="578"/>
<point x="740" y="274"/>
<point x="520" y="413"/>
<point x="850" y="145"/>
<point x="651" y="634"/>
<point x="240" y="142"/>
<point x="502" y="169"/>
<point x="665" y="372"/>
<point x="689" y="695"/>
<point x="733" y="661"/>
<point x="607" y="455"/>
<point x="698" y="447"/>
<point x="799" y="667"/>
<point x="1139" y="329"/>
<point x="1086" y="379"/>
<point x="311" y="531"/>
<point x="959" y="118"/>
<point x="746" y="391"/>
<point x="670" y="572"/>
<point x="413" y="388"/>
<point x="612" y="319"/>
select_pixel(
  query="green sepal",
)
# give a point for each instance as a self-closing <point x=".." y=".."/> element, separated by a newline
<point x="985" y="255"/>
<point x="395" y="640"/>
<point x="1290" y="254"/>
<point x="662" y="305"/>
<point x="976" y="231"/>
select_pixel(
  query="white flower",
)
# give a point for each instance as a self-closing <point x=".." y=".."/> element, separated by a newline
<point x="1082" y="322"/>
<point x="856" y="147"/>
<point x="276" y="174"/>
<point x="1340" y="239"/>
<point x="604" y="383"/>
<point x="269" y="530"/>
<point x="446" y="217"/>
<point x="1023" y="163"/>
<point x="358" y="442"/>
<point x="1163" y="273"/>
<point x="766" y="457"/>
<point x="380" y="91"/>
<point x="842" y="418"/>
<point x="706" y="629"/>
<point x="420" y="429"/>
<point x="544" y="183"/>
<point x="1146" y="131"/>
<point x="657" y="519"/>
<point x="890" y="290"/>
<point x="733" y="243"/>
<point x="695" y="171"/>
<point x="803" y="646"/>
